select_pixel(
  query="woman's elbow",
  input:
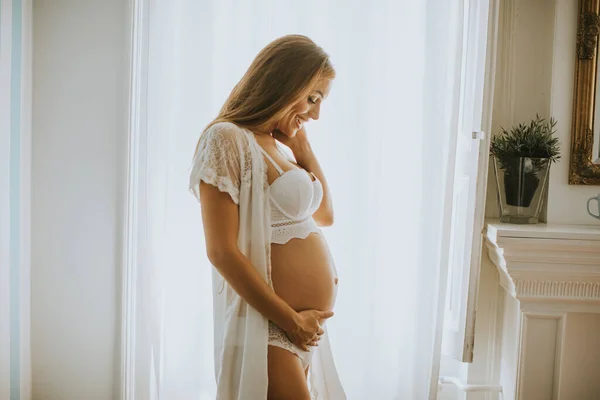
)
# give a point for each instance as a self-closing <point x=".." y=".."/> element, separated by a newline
<point x="219" y="255"/>
<point x="325" y="220"/>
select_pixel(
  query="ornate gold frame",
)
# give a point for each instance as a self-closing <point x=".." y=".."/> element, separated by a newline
<point x="582" y="170"/>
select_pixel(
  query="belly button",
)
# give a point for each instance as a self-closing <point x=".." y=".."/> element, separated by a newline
<point x="336" y="280"/>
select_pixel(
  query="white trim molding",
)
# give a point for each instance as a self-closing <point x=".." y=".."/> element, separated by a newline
<point x="468" y="387"/>
<point x="558" y="289"/>
<point x="135" y="187"/>
<point x="5" y="198"/>
<point x="15" y="198"/>
<point x="547" y="263"/>
<point x="551" y="275"/>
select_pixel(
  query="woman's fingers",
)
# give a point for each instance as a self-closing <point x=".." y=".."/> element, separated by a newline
<point x="314" y="341"/>
<point x="301" y="343"/>
<point x="325" y="314"/>
<point x="311" y="332"/>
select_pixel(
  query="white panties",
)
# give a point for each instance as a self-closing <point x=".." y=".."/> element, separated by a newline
<point x="278" y="338"/>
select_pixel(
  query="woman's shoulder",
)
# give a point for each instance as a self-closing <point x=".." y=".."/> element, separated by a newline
<point x="225" y="137"/>
<point x="225" y="130"/>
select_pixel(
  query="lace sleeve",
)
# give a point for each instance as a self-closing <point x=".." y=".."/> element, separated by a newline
<point x="217" y="161"/>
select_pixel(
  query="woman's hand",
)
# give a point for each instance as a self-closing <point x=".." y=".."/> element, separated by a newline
<point x="308" y="330"/>
<point x="298" y="144"/>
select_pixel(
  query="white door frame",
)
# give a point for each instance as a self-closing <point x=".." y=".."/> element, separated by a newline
<point x="15" y="194"/>
<point x="138" y="76"/>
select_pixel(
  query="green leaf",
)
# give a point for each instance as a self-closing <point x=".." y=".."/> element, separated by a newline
<point x="534" y="140"/>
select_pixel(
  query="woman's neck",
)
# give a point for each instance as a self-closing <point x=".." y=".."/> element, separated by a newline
<point x="263" y="135"/>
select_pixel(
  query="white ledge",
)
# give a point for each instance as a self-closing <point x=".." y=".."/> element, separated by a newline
<point x="546" y="262"/>
<point x="496" y="229"/>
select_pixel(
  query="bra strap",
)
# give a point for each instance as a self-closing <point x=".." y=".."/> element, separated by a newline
<point x="277" y="167"/>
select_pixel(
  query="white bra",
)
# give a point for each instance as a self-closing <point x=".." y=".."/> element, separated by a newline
<point x="294" y="198"/>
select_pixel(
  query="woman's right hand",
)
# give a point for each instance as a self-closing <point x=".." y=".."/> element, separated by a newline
<point x="308" y="330"/>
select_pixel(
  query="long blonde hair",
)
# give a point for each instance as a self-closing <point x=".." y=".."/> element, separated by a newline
<point x="282" y="73"/>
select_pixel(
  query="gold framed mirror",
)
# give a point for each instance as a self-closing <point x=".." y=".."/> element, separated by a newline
<point x="584" y="168"/>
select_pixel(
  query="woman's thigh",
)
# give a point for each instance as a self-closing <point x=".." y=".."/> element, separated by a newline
<point x="287" y="378"/>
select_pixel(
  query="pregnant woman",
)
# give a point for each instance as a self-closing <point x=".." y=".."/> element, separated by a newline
<point x="274" y="281"/>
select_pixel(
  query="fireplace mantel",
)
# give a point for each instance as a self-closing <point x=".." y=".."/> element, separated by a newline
<point x="552" y="263"/>
<point x="550" y="309"/>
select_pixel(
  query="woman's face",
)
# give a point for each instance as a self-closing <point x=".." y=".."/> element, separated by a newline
<point x="304" y="110"/>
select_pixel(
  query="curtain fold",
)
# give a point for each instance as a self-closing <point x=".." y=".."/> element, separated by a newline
<point x="381" y="139"/>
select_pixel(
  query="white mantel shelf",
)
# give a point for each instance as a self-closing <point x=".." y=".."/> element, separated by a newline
<point x="551" y="309"/>
<point x="496" y="229"/>
<point x="547" y="262"/>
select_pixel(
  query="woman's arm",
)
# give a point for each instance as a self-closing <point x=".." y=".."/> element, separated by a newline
<point x="220" y="218"/>
<point x="305" y="157"/>
<point x="307" y="160"/>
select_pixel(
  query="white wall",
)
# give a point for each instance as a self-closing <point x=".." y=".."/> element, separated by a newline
<point x="79" y="146"/>
<point x="567" y="203"/>
<point x="535" y="74"/>
<point x="580" y="328"/>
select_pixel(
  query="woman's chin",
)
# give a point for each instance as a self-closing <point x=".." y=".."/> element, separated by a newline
<point x="290" y="132"/>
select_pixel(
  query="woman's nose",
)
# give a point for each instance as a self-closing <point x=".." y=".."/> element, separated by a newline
<point x="315" y="111"/>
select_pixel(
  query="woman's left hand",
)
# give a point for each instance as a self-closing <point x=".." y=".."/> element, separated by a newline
<point x="297" y="142"/>
<point x="306" y="158"/>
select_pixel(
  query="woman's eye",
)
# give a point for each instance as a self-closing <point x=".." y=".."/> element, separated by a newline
<point x="312" y="100"/>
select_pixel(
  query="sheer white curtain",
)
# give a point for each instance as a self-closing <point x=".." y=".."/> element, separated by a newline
<point x="381" y="140"/>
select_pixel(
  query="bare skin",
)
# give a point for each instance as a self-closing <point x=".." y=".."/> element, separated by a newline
<point x="303" y="273"/>
<point x="220" y="216"/>
<point x="287" y="380"/>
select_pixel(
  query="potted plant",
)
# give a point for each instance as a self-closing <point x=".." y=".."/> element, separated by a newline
<point x="521" y="159"/>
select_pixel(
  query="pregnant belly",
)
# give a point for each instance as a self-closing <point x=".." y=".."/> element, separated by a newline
<point x="303" y="273"/>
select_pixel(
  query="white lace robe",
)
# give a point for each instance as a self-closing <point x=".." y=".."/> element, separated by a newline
<point x="229" y="158"/>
